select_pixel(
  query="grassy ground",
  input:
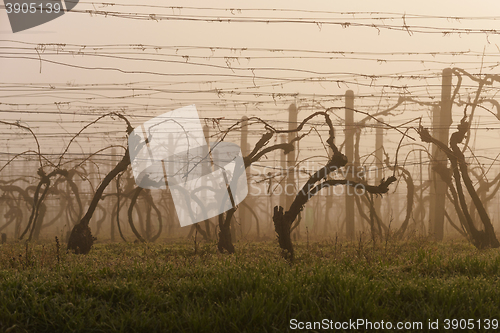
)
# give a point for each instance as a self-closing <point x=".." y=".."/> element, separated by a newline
<point x="170" y="288"/>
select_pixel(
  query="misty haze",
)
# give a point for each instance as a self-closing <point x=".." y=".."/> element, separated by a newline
<point x="250" y="166"/>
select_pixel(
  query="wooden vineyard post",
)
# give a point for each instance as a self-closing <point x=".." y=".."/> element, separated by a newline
<point x="349" y="153"/>
<point x="3" y="205"/>
<point x="110" y="202"/>
<point x="282" y="201"/>
<point x="92" y="177"/>
<point x="243" y="211"/>
<point x="206" y="132"/>
<point x="290" y="187"/>
<point x="441" y="122"/>
<point x="421" y="195"/>
<point x="290" y="179"/>
<point x="329" y="197"/>
<point x="379" y="161"/>
<point x="172" y="213"/>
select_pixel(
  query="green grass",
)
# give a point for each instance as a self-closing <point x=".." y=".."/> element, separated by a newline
<point x="170" y="288"/>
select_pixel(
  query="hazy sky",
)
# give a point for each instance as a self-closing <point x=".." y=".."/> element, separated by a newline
<point x="315" y="49"/>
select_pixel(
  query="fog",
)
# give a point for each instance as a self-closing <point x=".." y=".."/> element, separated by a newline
<point x="236" y="59"/>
